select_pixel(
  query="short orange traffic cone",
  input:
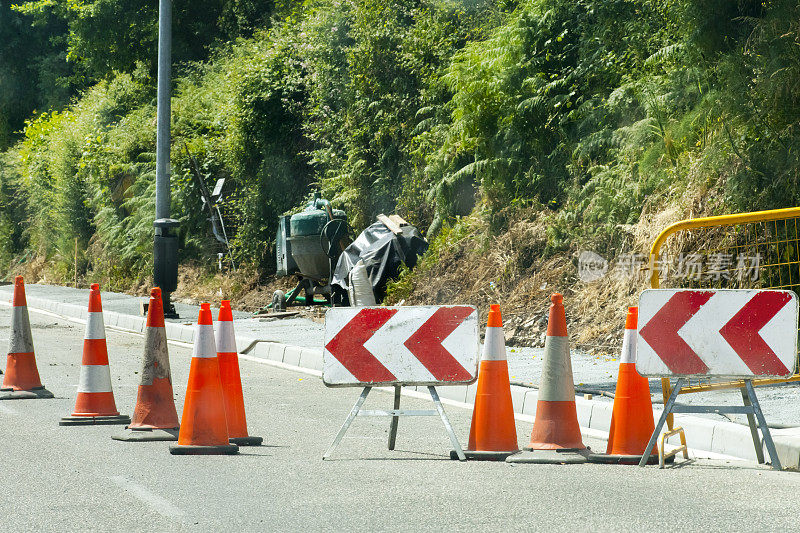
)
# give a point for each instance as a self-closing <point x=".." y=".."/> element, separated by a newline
<point x="231" y="379"/>
<point x="556" y="435"/>
<point x="204" y="430"/>
<point x="21" y="380"/>
<point x="632" y="418"/>
<point x="493" y="433"/>
<point x="95" y="401"/>
<point x="154" y="417"/>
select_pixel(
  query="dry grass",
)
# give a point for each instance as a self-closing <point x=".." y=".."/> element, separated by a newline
<point x="244" y="288"/>
<point x="510" y="270"/>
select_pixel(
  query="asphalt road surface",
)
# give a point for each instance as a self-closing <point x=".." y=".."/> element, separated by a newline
<point x="591" y="372"/>
<point x="78" y="478"/>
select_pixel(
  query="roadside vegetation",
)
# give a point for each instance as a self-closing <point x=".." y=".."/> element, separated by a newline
<point x="550" y="125"/>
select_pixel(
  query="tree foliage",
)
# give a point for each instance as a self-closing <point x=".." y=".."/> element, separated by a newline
<point x="595" y="109"/>
<point x="34" y="74"/>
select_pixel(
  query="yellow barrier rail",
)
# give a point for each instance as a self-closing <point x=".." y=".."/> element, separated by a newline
<point x="747" y="250"/>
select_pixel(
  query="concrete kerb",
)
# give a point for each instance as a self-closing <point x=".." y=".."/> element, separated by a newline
<point x="601" y="415"/>
<point x="704" y="436"/>
<point x="531" y="399"/>
<point x="311" y="358"/>
<point x="786" y="444"/>
<point x="276" y="351"/>
<point x="456" y="393"/>
<point x="291" y="355"/>
<point x="111" y="319"/>
<point x="584" y="410"/>
<point x="130" y="322"/>
<point x="173" y="331"/>
<point x="518" y="395"/>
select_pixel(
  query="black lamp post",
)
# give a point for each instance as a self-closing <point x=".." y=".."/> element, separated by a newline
<point x="165" y="245"/>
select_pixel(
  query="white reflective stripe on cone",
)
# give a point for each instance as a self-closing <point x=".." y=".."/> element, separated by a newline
<point x="95" y="327"/>
<point x="557" y="384"/>
<point x="226" y="342"/>
<point x="628" y="347"/>
<point x="204" y="345"/>
<point x="494" y="345"/>
<point x="94" y="378"/>
<point x="20" y="341"/>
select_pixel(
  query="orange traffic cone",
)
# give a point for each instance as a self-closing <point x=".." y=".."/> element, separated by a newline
<point x="154" y="417"/>
<point x="231" y="379"/>
<point x="632" y="418"/>
<point x="493" y="433"/>
<point x="21" y="380"/>
<point x="95" y="401"/>
<point x="556" y="435"/>
<point x="204" y="430"/>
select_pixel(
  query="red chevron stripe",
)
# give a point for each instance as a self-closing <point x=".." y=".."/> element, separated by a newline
<point x="742" y="333"/>
<point x="426" y="344"/>
<point x="348" y="345"/>
<point x="661" y="332"/>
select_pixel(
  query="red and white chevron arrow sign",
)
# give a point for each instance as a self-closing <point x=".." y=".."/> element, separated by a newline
<point x="717" y="332"/>
<point x="400" y="345"/>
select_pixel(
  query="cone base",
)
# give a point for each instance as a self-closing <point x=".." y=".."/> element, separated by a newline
<point x="32" y="394"/>
<point x="147" y="435"/>
<point x="94" y="420"/>
<point x="473" y="455"/>
<point x="188" y="449"/>
<point x="551" y="457"/>
<point x="607" y="459"/>
<point x="246" y="441"/>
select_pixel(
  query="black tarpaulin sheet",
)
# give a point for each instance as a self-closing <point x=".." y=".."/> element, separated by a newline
<point x="383" y="254"/>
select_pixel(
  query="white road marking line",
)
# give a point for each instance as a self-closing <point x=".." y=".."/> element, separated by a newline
<point x="154" y="501"/>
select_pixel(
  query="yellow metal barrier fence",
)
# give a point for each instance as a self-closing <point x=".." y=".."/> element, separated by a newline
<point x="759" y="250"/>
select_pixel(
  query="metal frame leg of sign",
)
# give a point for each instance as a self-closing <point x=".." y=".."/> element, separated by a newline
<point x="395" y="414"/>
<point x="751" y="408"/>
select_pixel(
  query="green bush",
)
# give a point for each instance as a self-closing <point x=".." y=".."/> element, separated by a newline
<point x="595" y="109"/>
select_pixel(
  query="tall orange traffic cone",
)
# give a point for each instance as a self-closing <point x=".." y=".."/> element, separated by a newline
<point x="21" y="380"/>
<point x="632" y="418"/>
<point x="204" y="430"/>
<point x="154" y="417"/>
<point x="493" y="433"/>
<point x="95" y="401"/>
<point x="231" y="379"/>
<point x="556" y="435"/>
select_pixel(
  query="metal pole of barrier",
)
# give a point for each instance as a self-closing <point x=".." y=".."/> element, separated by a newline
<point x="773" y="453"/>
<point x="667" y="410"/>
<point x="350" y="418"/>
<point x="395" y="419"/>
<point x="751" y="421"/>
<point x="446" y="422"/>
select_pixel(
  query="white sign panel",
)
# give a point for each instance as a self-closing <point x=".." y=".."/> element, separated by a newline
<point x="717" y="332"/>
<point x="432" y="345"/>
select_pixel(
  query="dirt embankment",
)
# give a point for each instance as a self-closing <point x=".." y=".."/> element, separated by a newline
<point x="512" y="270"/>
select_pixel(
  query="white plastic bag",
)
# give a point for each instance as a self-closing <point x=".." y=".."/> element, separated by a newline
<point x="360" y="286"/>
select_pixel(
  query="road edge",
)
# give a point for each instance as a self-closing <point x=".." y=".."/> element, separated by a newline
<point x="706" y="438"/>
